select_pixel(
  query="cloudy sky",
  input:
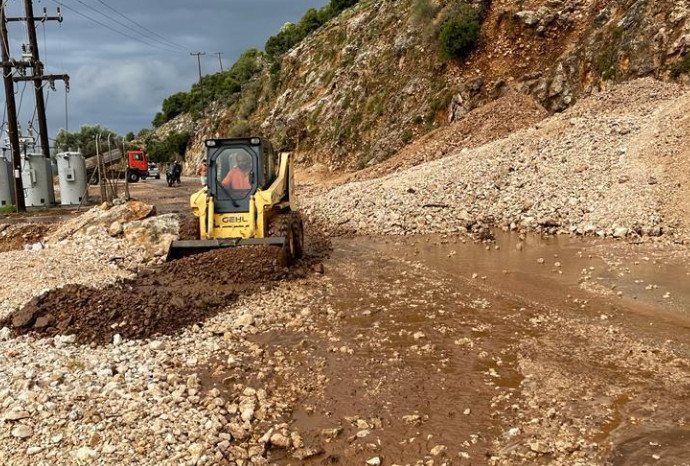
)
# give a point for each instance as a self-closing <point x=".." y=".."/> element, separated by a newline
<point x="120" y="79"/>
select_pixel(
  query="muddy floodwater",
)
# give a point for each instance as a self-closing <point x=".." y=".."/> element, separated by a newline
<point x="527" y="350"/>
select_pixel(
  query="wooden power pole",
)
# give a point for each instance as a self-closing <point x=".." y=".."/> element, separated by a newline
<point x="198" y="56"/>
<point x="12" y="126"/>
<point x="220" y="59"/>
<point x="37" y="67"/>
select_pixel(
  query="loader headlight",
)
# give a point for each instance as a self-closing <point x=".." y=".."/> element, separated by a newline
<point x="255" y="141"/>
<point x="211" y="143"/>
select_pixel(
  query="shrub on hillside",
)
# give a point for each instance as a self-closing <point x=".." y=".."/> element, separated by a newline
<point x="460" y="31"/>
<point x="241" y="129"/>
<point x="340" y="5"/>
<point x="681" y="67"/>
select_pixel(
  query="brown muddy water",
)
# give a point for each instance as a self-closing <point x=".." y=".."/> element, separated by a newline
<point x="438" y="348"/>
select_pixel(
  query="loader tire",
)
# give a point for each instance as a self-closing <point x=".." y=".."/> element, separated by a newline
<point x="288" y="226"/>
<point x="298" y="233"/>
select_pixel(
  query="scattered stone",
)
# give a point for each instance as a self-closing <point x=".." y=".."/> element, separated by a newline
<point x="115" y="229"/>
<point x="304" y="453"/>
<point x="22" y="432"/>
<point x="158" y="345"/>
<point x="414" y="419"/>
<point x="438" y="450"/>
<point x="280" y="440"/>
<point x="86" y="455"/>
<point x="331" y="433"/>
<point x="17" y="415"/>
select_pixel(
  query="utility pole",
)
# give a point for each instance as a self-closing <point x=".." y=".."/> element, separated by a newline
<point x="37" y="67"/>
<point x="12" y="126"/>
<point x="201" y="83"/>
<point x="220" y="59"/>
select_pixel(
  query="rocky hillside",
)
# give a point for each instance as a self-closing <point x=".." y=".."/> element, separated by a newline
<point x="370" y="81"/>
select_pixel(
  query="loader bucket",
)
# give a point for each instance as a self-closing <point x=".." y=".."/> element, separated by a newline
<point x="180" y="249"/>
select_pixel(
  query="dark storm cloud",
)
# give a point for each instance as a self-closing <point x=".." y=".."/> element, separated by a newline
<point x="120" y="82"/>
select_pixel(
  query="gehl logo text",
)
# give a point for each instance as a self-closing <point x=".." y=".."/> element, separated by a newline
<point x="234" y="219"/>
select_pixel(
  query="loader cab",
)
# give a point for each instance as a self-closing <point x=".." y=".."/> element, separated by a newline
<point x="237" y="169"/>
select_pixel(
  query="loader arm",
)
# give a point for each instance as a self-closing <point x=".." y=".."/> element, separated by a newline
<point x="278" y="194"/>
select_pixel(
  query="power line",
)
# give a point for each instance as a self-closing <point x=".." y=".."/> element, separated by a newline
<point x="110" y="28"/>
<point x="141" y="39"/>
<point x="168" y="41"/>
<point x="110" y="18"/>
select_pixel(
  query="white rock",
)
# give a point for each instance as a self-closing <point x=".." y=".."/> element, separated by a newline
<point x="86" y="454"/>
<point x="157" y="345"/>
<point x="280" y="440"/>
<point x="17" y="415"/>
<point x="22" y="432"/>
<point x="117" y="339"/>
<point x="33" y="450"/>
<point x="375" y="461"/>
<point x="438" y="450"/>
<point x="5" y="334"/>
<point x="245" y="320"/>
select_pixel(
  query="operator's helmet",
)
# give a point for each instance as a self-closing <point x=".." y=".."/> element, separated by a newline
<point x="244" y="162"/>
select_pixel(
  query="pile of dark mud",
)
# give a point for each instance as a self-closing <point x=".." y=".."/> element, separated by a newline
<point x="15" y="237"/>
<point x="161" y="300"/>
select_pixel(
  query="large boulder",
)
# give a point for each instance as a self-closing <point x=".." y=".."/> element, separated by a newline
<point x="153" y="235"/>
<point x="102" y="216"/>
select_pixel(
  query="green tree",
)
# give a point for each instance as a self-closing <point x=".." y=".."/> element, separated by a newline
<point x="84" y="140"/>
<point x="173" y="106"/>
<point x="310" y="22"/>
<point x="130" y="137"/>
<point x="340" y="5"/>
<point x="289" y="36"/>
<point x="174" y="146"/>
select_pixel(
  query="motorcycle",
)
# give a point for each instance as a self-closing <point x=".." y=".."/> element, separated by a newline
<point x="173" y="174"/>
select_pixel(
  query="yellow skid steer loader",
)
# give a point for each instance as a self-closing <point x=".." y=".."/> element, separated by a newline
<point x="248" y="200"/>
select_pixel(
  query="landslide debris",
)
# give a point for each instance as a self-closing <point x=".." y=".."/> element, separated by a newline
<point x="610" y="166"/>
<point x="159" y="301"/>
<point x="103" y="216"/>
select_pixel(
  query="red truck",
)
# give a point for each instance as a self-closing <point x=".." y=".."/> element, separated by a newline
<point x="137" y="165"/>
